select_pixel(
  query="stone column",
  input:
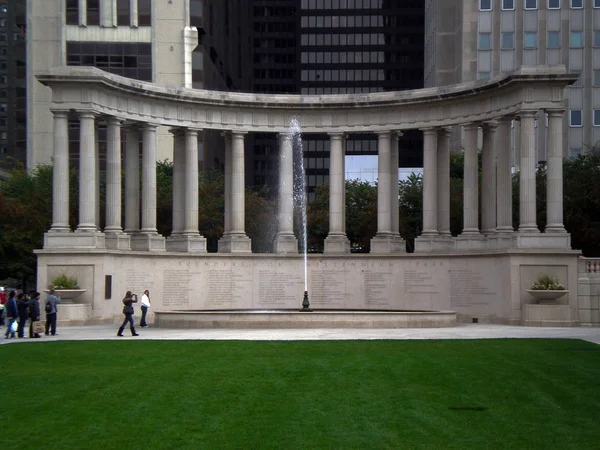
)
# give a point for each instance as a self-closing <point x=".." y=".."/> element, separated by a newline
<point x="504" y="177"/>
<point x="488" y="179"/>
<point x="132" y="179"/>
<point x="97" y="170"/>
<point x="149" y="179"/>
<point x="228" y="199"/>
<point x="394" y="163"/>
<point x="384" y="241"/>
<point x="336" y="241"/>
<point x="471" y="182"/>
<point x="516" y="156"/>
<point x="191" y="182"/>
<point x="60" y="173"/>
<point x="527" y="212"/>
<point x="554" y="191"/>
<point x="106" y="13"/>
<point x="443" y="183"/>
<point x="430" y="178"/>
<point x="113" y="176"/>
<point x="237" y="241"/>
<point x="133" y="13"/>
<point x="178" y="180"/>
<point x="286" y="241"/>
<point x="82" y="13"/>
<point x="87" y="173"/>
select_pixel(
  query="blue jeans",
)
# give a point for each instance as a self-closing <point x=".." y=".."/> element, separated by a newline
<point x="128" y="318"/>
<point x="143" y="320"/>
<point x="9" y="323"/>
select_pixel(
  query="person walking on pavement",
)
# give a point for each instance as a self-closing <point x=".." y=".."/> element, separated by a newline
<point x="2" y="303"/>
<point x="128" y="302"/>
<point x="23" y="310"/>
<point x="145" y="307"/>
<point x="11" y="314"/>
<point x="34" y="313"/>
<point x="51" y="309"/>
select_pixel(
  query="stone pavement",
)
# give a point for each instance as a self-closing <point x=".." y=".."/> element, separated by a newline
<point x="461" y="331"/>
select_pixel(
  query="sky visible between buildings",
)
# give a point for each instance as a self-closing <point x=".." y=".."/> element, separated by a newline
<point x="364" y="168"/>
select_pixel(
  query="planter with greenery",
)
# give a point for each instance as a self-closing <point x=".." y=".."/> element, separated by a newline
<point x="547" y="290"/>
<point x="66" y="287"/>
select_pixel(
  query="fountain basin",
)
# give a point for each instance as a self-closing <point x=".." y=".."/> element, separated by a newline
<point x="292" y="318"/>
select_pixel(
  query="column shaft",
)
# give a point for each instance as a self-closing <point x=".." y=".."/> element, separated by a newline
<point x="82" y="13"/>
<point x="488" y="179"/>
<point x="191" y="182"/>
<point x="228" y="171"/>
<point x="132" y="179"/>
<point x="149" y="179"/>
<point x="383" y="184"/>
<point x="87" y="173"/>
<point x="504" y="177"/>
<point x="60" y="173"/>
<point x="394" y="163"/>
<point x="97" y="170"/>
<point x="286" y="185"/>
<point x="113" y="176"/>
<point x="178" y="181"/>
<point x="471" y="181"/>
<point x="430" y="178"/>
<point x="527" y="212"/>
<point x="443" y="182"/>
<point x="336" y="185"/>
<point x="554" y="191"/>
<point x="237" y="184"/>
<point x="133" y="12"/>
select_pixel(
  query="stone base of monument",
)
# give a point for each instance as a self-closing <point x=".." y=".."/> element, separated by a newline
<point x="77" y="239"/>
<point x="387" y="243"/>
<point x="434" y="244"/>
<point x="235" y="243"/>
<point x="336" y="243"/>
<point x="73" y="314"/>
<point x="187" y="244"/>
<point x="542" y="240"/>
<point x="466" y="242"/>
<point x="548" y="316"/>
<point x="286" y="243"/>
<point x="148" y="242"/>
<point x="117" y="241"/>
<point x="283" y="319"/>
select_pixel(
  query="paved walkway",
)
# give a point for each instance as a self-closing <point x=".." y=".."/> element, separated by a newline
<point x="461" y="331"/>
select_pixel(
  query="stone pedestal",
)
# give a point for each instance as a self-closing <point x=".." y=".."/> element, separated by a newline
<point x="387" y="243"/>
<point x="118" y="241"/>
<point x="286" y="243"/>
<point x="337" y="243"/>
<point x="467" y="242"/>
<point x="548" y="316"/>
<point x="188" y="244"/>
<point x="235" y="243"/>
<point x="79" y="239"/>
<point x="425" y="244"/>
<point x="148" y="242"/>
<point x="542" y="240"/>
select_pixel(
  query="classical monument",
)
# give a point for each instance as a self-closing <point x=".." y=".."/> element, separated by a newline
<point x="482" y="275"/>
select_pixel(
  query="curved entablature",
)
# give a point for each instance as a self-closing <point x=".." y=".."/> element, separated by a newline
<point x="93" y="90"/>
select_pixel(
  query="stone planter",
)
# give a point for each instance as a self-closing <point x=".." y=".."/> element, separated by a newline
<point x="547" y="297"/>
<point x="68" y="295"/>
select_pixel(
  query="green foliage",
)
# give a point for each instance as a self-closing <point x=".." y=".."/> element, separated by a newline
<point x="410" y="193"/>
<point x="361" y="214"/>
<point x="317" y="219"/>
<point x="63" y="281"/>
<point x="547" y="283"/>
<point x="471" y="394"/>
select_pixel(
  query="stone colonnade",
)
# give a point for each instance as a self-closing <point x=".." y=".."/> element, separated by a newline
<point x="496" y="230"/>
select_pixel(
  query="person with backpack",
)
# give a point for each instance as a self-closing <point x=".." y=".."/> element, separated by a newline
<point x="128" y="302"/>
<point x="11" y="314"/>
<point x="34" y="313"/>
<point x="51" y="311"/>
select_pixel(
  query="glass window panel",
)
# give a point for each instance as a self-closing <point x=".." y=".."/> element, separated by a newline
<point x="576" y="39"/>
<point x="576" y="117"/>
<point x="597" y="117"/>
<point x="530" y="39"/>
<point x="508" y="4"/>
<point x="485" y="5"/>
<point x="508" y="41"/>
<point x="530" y="4"/>
<point x="485" y="41"/>
<point x="553" y="39"/>
<point x="553" y="4"/>
<point x="576" y="3"/>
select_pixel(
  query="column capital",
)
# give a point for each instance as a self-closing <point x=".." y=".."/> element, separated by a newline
<point x="429" y="130"/>
<point x="238" y="134"/>
<point x="490" y="125"/>
<point x="337" y="135"/>
<point x="527" y="113"/>
<point x="191" y="131"/>
<point x="176" y="131"/>
<point x="60" y="112"/>
<point x="384" y="133"/>
<point x="555" y="112"/>
<point x="113" y="120"/>
<point x="149" y="126"/>
<point x="87" y="114"/>
<point x="471" y="125"/>
<point x="445" y="131"/>
<point x="131" y="125"/>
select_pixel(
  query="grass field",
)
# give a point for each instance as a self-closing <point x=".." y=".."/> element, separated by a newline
<point x="332" y="394"/>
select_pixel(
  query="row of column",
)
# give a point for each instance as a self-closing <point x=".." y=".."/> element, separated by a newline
<point x="496" y="189"/>
<point x="108" y="13"/>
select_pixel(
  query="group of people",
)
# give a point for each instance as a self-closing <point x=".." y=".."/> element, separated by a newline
<point x="128" y="311"/>
<point x="19" y="308"/>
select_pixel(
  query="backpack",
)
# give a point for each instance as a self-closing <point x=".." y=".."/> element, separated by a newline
<point x="48" y="307"/>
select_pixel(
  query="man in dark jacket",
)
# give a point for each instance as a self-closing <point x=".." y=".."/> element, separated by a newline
<point x="11" y="313"/>
<point x="34" y="313"/>
<point x="52" y="310"/>
<point x="23" y="310"/>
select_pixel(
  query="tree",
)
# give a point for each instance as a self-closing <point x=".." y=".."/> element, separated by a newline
<point x="361" y="214"/>
<point x="410" y="192"/>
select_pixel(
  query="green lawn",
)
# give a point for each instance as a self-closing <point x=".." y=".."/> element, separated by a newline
<point x="331" y="394"/>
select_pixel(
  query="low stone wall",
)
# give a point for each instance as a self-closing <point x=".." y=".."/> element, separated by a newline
<point x="588" y="291"/>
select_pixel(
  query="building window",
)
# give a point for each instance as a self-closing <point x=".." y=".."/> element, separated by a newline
<point x="596" y="38"/>
<point x="3" y="9"/>
<point x="93" y="12"/>
<point x="485" y="41"/>
<point x="576" y="39"/>
<point x="575" y="151"/>
<point x="597" y="117"/>
<point x="483" y="76"/>
<point x="508" y="41"/>
<point x="531" y="4"/>
<point x="596" y="3"/>
<point x="508" y="4"/>
<point x="72" y="12"/>
<point x="145" y="13"/>
<point x="553" y="39"/>
<point x="123" y="13"/>
<point x="530" y="40"/>
<point x="576" y="3"/>
<point x="597" y="78"/>
<point x="575" y="117"/>
<point x="553" y="4"/>
<point x="2" y="107"/>
<point x="485" y="5"/>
